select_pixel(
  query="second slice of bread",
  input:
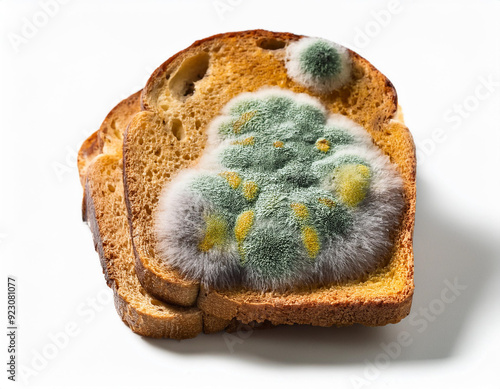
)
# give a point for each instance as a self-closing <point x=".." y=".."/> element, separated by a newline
<point x="100" y="168"/>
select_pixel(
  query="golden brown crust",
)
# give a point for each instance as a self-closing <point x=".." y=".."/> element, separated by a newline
<point x="88" y="151"/>
<point x="213" y="324"/>
<point x="183" y="326"/>
<point x="159" y="73"/>
<point x="163" y="286"/>
<point x="370" y="100"/>
<point x="110" y="131"/>
<point x="110" y="134"/>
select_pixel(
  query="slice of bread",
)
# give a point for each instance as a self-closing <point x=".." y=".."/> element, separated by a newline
<point x="181" y="98"/>
<point x="100" y="168"/>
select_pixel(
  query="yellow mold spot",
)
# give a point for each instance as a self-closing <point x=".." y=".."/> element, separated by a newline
<point x="310" y="240"/>
<point x="242" y="120"/>
<point x="323" y="145"/>
<point x="329" y="203"/>
<point x="352" y="182"/>
<point x="250" y="190"/>
<point x="233" y="179"/>
<point x="300" y="211"/>
<point x="243" y="224"/>
<point x="215" y="232"/>
<point x="278" y="144"/>
<point x="250" y="141"/>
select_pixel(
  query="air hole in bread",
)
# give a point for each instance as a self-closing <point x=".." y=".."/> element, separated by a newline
<point x="197" y="124"/>
<point x="178" y="129"/>
<point x="111" y="188"/>
<point x="183" y="83"/>
<point x="148" y="209"/>
<point x="156" y="302"/>
<point x="271" y="44"/>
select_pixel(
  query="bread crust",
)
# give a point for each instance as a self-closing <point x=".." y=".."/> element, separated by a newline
<point x="110" y="132"/>
<point x="88" y="151"/>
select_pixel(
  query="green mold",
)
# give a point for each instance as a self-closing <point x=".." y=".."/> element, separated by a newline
<point x="280" y="153"/>
<point x="320" y="60"/>
<point x="270" y="250"/>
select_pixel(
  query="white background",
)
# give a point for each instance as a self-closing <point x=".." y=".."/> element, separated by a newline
<point x="57" y="83"/>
